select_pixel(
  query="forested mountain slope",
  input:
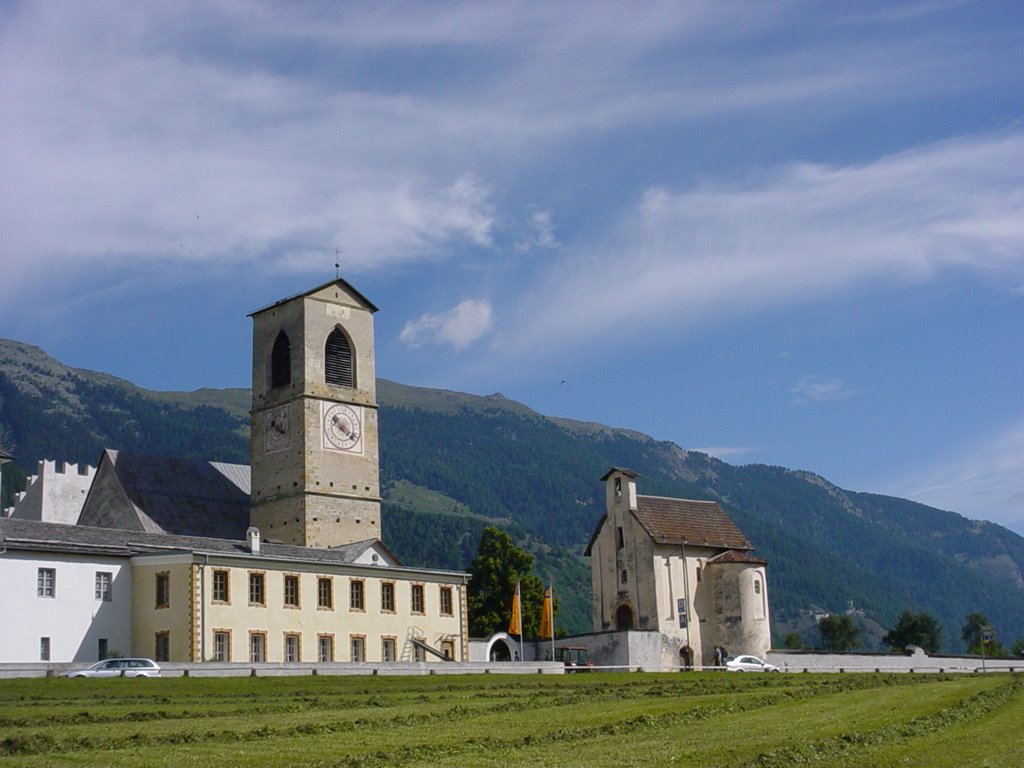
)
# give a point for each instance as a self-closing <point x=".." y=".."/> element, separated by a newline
<point x="453" y="463"/>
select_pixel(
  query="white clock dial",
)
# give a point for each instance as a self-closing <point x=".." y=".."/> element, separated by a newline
<point x="277" y="435"/>
<point x="343" y="429"/>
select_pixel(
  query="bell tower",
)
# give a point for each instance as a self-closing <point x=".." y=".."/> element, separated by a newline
<point x="314" y="447"/>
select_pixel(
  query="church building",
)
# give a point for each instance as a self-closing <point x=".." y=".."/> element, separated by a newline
<point x="189" y="561"/>
<point x="679" y="568"/>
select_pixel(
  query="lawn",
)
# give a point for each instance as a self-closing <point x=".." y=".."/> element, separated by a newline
<point x="614" y="719"/>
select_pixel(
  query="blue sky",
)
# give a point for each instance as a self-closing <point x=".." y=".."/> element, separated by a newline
<point x="789" y="233"/>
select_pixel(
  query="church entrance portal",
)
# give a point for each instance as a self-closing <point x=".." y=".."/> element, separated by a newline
<point x="624" y="617"/>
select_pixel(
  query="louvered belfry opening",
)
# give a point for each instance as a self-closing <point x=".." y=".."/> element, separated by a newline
<point x="281" y="362"/>
<point x="338" y="360"/>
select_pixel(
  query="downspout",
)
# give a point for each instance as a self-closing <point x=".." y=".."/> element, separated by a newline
<point x="686" y="587"/>
<point x="463" y="608"/>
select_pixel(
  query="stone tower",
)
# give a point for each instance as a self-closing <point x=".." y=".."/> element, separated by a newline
<point x="315" y="467"/>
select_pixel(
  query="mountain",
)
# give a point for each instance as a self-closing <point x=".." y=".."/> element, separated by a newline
<point x="453" y="463"/>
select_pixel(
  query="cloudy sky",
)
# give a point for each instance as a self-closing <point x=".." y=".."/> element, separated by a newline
<point x="780" y="232"/>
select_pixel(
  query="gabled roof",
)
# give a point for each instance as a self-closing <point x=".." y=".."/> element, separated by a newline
<point x="627" y="472"/>
<point x="189" y="497"/>
<point x="683" y="521"/>
<point x="341" y="283"/>
<point x="34" y="536"/>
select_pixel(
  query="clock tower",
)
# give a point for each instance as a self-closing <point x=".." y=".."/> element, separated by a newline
<point x="315" y="467"/>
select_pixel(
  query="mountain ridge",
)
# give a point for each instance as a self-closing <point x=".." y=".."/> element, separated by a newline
<point x="451" y="463"/>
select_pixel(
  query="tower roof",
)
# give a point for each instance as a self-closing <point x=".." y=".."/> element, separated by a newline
<point x="339" y="282"/>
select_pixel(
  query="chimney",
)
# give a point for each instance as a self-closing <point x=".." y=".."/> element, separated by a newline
<point x="253" y="535"/>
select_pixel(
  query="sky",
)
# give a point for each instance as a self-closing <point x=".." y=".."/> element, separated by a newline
<point x="788" y="233"/>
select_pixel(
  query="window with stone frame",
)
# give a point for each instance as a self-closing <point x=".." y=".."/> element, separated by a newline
<point x="357" y="595"/>
<point x="221" y="593"/>
<point x="222" y="645"/>
<point x="281" y="361"/>
<point x="358" y="648"/>
<point x="292" y="647"/>
<point x="387" y="597"/>
<point x="291" y="590"/>
<point x="257" y="647"/>
<point x="257" y="588"/>
<point x="162" y="646"/>
<point x="417" y="599"/>
<point x="325" y="593"/>
<point x="104" y="586"/>
<point x="446" y="601"/>
<point x="388" y="651"/>
<point x="339" y="362"/>
<point x="325" y="649"/>
<point x="163" y="589"/>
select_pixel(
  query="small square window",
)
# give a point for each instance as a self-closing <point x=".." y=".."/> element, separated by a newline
<point x="46" y="582"/>
<point x="104" y="586"/>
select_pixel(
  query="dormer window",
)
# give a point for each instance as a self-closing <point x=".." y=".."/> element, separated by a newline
<point x="339" y="368"/>
<point x="281" y="362"/>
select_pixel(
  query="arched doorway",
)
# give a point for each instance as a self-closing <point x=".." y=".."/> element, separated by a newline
<point x="623" y="617"/>
<point x="499" y="651"/>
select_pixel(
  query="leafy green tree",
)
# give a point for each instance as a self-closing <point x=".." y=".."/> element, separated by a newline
<point x="838" y="633"/>
<point x="498" y="565"/>
<point x="918" y="629"/>
<point x="1018" y="647"/>
<point x="972" y="635"/>
<point x="793" y="641"/>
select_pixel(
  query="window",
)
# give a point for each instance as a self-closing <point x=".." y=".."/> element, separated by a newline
<point x="446" y="601"/>
<point x="291" y="647"/>
<point x="281" y="362"/>
<point x="757" y="586"/>
<point x="356" y="589"/>
<point x="257" y="647"/>
<point x="257" y="591"/>
<point x="221" y="645"/>
<point x="417" y="598"/>
<point x="387" y="597"/>
<point x="338" y="368"/>
<point x="448" y="649"/>
<point x="624" y="576"/>
<point x="291" y="591"/>
<point x="101" y="649"/>
<point x="324" y="593"/>
<point x="220" y="587"/>
<point x="46" y="582"/>
<point x="44" y="649"/>
<point x="104" y="586"/>
<point x="325" y="649"/>
<point x="358" y="648"/>
<point x="162" y="647"/>
<point x="163" y="590"/>
<point x="620" y="539"/>
<point x="387" y="649"/>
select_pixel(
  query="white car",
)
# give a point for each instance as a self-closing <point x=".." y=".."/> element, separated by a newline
<point x="119" y="668"/>
<point x="749" y="664"/>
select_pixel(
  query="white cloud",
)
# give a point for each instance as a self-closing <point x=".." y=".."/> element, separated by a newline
<point x="459" y="327"/>
<point x="820" y="389"/>
<point x="801" y="234"/>
<point x="984" y="480"/>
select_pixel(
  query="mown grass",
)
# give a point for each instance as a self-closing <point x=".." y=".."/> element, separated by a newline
<point x="488" y="720"/>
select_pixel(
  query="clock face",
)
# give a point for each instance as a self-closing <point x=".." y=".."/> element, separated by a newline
<point x="277" y="435"/>
<point x="343" y="429"/>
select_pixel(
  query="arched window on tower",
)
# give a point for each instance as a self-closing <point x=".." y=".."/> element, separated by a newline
<point x="281" y="362"/>
<point x="339" y="367"/>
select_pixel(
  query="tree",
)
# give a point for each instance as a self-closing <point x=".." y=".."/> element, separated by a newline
<point x="1018" y="647"/>
<point x="918" y="629"/>
<point x="793" y="641"/>
<point x="972" y="635"/>
<point x="498" y="565"/>
<point x="838" y="633"/>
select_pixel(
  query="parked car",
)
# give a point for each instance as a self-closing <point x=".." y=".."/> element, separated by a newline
<point x="119" y="668"/>
<point x="749" y="664"/>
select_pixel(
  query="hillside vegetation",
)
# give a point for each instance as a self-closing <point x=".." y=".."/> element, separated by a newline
<point x="452" y="463"/>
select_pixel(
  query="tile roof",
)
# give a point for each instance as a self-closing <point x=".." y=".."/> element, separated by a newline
<point x="701" y="523"/>
<point x="736" y="556"/>
<point x="35" y="536"/>
<point x="185" y="496"/>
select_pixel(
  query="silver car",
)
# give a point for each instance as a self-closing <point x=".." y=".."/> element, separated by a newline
<point x="119" y="668"/>
<point x="749" y="664"/>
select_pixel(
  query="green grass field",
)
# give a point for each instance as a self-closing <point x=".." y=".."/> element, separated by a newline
<point x="614" y="719"/>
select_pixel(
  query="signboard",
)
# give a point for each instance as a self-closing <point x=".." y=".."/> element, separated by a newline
<point x="988" y="634"/>
<point x="681" y="610"/>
